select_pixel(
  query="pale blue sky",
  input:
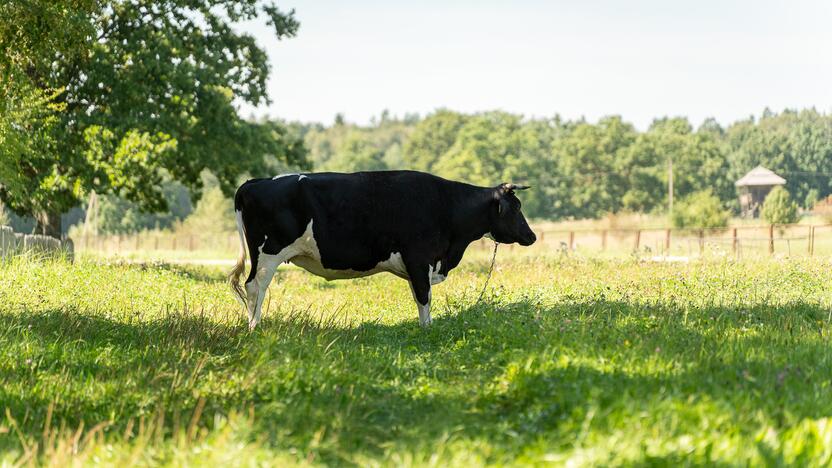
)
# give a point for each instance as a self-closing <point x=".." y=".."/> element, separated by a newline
<point x="639" y="59"/>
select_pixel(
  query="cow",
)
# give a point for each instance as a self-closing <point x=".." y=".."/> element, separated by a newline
<point x="338" y="226"/>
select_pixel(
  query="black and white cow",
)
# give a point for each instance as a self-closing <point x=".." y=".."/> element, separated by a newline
<point x="414" y="225"/>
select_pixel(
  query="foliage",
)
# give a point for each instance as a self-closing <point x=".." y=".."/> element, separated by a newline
<point x="796" y="145"/>
<point x="580" y="169"/>
<point x="347" y="147"/>
<point x="699" y="210"/>
<point x="432" y="138"/>
<point x="548" y="370"/>
<point x="778" y="207"/>
<point x="131" y="88"/>
<point x="214" y="212"/>
<point x="119" y="216"/>
<point x="812" y="197"/>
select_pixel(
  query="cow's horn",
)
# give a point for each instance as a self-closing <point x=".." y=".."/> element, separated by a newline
<point x="512" y="187"/>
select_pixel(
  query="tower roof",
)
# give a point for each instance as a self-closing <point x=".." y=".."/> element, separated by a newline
<point x="760" y="176"/>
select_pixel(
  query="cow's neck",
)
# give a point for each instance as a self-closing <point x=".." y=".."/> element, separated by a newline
<point x="471" y="213"/>
<point x="469" y="221"/>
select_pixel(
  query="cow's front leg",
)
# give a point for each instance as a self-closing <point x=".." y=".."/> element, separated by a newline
<point x="420" y="287"/>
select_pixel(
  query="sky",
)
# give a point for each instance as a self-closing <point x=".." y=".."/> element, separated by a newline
<point x="640" y="59"/>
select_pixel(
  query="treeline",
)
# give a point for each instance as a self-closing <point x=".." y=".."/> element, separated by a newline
<point x="581" y="169"/>
<point x="578" y="169"/>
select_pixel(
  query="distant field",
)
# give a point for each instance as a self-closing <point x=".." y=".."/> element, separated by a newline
<point x="583" y="362"/>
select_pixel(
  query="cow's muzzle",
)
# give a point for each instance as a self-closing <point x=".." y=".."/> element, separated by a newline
<point x="528" y="239"/>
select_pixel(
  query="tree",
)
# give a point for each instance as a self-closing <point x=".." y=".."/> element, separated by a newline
<point x="796" y="145"/>
<point x="699" y="210"/>
<point x="432" y="138"/>
<point x="812" y="197"/>
<point x="357" y="154"/>
<point x="589" y="163"/>
<point x="483" y="145"/>
<point x="214" y="213"/>
<point x="108" y="94"/>
<point x="118" y="216"/>
<point x="778" y="207"/>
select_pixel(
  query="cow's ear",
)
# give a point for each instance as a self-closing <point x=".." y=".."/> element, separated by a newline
<point x="500" y="201"/>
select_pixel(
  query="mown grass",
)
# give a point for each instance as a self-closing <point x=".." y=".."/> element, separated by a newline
<point x="565" y="361"/>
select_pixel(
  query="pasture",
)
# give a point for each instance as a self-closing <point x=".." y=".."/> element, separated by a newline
<point x="564" y="361"/>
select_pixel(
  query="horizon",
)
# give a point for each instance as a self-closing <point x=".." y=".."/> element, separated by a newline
<point x="641" y="61"/>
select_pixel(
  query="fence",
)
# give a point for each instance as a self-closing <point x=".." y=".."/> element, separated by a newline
<point x="121" y="244"/>
<point x="13" y="243"/>
<point x="739" y="242"/>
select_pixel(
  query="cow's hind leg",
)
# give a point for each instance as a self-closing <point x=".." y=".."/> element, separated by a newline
<point x="263" y="266"/>
<point x="252" y="285"/>
<point x="265" y="272"/>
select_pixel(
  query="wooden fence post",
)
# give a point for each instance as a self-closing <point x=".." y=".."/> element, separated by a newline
<point x="812" y="242"/>
<point x="667" y="241"/>
<point x="603" y="239"/>
<point x="638" y="239"/>
<point x="734" y="240"/>
<point x="701" y="242"/>
<point x="770" y="239"/>
<point x="571" y="240"/>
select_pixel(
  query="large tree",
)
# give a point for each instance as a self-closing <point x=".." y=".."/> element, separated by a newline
<point x="112" y="96"/>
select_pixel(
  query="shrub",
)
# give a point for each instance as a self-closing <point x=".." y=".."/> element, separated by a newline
<point x="214" y="214"/>
<point x="779" y="208"/>
<point x="700" y="209"/>
<point x="812" y="198"/>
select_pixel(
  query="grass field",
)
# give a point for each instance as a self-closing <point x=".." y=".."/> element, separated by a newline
<point x="574" y="362"/>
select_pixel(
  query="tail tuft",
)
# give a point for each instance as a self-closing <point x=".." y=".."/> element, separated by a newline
<point x="240" y="266"/>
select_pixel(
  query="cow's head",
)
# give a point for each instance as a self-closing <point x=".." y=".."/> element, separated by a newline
<point x="508" y="225"/>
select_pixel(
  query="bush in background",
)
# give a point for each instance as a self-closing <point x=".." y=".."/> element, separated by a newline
<point x="701" y="210"/>
<point x="214" y="214"/>
<point x="779" y="208"/>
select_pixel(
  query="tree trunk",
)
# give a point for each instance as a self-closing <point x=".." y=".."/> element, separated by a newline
<point x="49" y="224"/>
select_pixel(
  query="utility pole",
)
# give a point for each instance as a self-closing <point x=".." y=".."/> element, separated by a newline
<point x="670" y="186"/>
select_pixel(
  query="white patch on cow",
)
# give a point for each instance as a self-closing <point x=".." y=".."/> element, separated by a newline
<point x="300" y="176"/>
<point x="304" y="253"/>
<point x="434" y="275"/>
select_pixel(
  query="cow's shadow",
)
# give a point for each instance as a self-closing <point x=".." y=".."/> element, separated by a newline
<point x="377" y="387"/>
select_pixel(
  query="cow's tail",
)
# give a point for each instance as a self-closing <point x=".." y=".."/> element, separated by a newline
<point x="240" y="266"/>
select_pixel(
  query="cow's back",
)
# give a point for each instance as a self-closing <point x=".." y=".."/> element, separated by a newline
<point x="360" y="219"/>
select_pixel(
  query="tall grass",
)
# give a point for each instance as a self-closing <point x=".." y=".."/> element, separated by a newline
<point x="577" y="362"/>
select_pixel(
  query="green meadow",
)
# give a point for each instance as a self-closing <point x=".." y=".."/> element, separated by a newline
<point x="564" y="361"/>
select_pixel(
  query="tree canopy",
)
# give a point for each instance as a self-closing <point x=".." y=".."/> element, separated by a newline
<point x="115" y="96"/>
